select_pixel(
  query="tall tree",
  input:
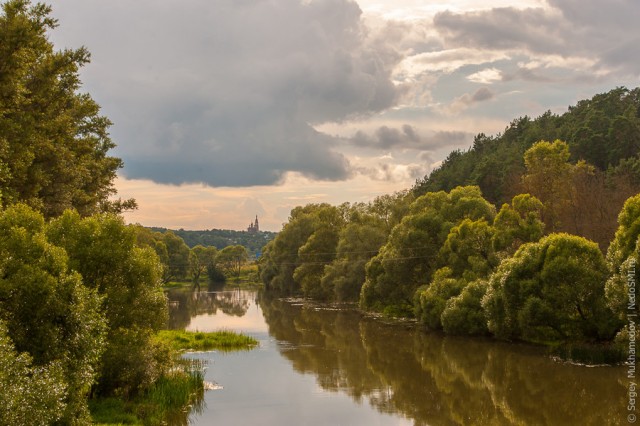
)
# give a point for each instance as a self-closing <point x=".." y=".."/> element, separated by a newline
<point x="53" y="141"/>
<point x="547" y="174"/>
<point x="200" y="259"/>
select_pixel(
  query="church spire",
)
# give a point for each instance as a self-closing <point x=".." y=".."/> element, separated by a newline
<point x="254" y="227"/>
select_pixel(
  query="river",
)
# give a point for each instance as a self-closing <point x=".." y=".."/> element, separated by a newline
<point x="330" y="365"/>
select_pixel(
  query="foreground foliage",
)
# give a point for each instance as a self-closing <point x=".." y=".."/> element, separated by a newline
<point x="47" y="312"/>
<point x="162" y="403"/>
<point x="53" y="140"/>
<point x="80" y="305"/>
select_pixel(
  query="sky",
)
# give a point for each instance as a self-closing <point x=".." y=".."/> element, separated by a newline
<point x="223" y="110"/>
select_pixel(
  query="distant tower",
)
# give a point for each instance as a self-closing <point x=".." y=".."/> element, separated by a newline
<point x="254" y="227"/>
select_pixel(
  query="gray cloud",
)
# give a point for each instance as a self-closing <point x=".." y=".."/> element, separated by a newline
<point x="407" y="137"/>
<point x="502" y="28"/>
<point x="467" y="100"/>
<point x="607" y="34"/>
<point x="226" y="93"/>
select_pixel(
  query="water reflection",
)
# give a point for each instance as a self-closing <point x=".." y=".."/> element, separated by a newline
<point x="185" y="304"/>
<point x="357" y="362"/>
<point x="441" y="380"/>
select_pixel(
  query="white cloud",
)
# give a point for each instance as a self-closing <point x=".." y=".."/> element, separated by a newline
<point x="486" y="76"/>
<point x="444" y="61"/>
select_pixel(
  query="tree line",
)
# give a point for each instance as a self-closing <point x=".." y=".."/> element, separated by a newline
<point x="221" y="238"/>
<point x="549" y="265"/>
<point x="181" y="262"/>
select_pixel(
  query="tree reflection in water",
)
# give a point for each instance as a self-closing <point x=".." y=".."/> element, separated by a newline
<point x="185" y="304"/>
<point x="441" y="380"/>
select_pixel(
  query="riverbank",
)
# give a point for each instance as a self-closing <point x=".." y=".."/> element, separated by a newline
<point x="167" y="400"/>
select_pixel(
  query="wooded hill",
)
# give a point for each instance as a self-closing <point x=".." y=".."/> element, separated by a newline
<point x="221" y="238"/>
<point x="603" y="136"/>
<point x="603" y="131"/>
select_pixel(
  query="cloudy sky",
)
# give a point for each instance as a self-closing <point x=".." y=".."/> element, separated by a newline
<point x="226" y="109"/>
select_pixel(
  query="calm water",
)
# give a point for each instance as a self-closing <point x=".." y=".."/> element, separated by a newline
<point x="320" y="365"/>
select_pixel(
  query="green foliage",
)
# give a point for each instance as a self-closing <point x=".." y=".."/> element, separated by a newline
<point x="622" y="258"/>
<point x="112" y="411"/>
<point x="582" y="182"/>
<point x="602" y="130"/>
<point x="29" y="395"/>
<point x="166" y="399"/>
<point x="200" y="259"/>
<point x="431" y="302"/>
<point x="626" y="237"/>
<point x="546" y="177"/>
<point x="133" y="361"/>
<point x="177" y="265"/>
<point x="223" y="340"/>
<point x="47" y="311"/>
<point x="552" y="290"/>
<point x="318" y="251"/>
<point x="410" y="256"/>
<point x="281" y="256"/>
<point x="104" y="251"/>
<point x="463" y="314"/>
<point x="468" y="250"/>
<point x="518" y="223"/>
<point x="322" y="251"/>
<point x="232" y="258"/>
<point x="162" y="403"/>
<point x="469" y="255"/>
<point x="358" y="242"/>
<point x="53" y="142"/>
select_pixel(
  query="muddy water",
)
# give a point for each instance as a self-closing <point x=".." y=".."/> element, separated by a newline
<point x="324" y="365"/>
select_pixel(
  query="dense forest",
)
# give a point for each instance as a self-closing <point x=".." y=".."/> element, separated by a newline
<point x="528" y="235"/>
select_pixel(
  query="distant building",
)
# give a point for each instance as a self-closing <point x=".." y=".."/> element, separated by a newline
<point x="254" y="227"/>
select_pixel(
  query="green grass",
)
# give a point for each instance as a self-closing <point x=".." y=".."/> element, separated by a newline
<point x="177" y="284"/>
<point x="223" y="340"/>
<point x="168" y="401"/>
<point x="112" y="411"/>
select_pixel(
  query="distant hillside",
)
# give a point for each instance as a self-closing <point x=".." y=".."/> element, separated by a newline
<point x="604" y="131"/>
<point x="221" y="238"/>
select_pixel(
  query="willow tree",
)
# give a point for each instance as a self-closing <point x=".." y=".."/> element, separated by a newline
<point x="53" y="141"/>
<point x="552" y="290"/>
<point x="410" y="256"/>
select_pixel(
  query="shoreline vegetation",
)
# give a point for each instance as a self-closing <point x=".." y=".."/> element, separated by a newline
<point x="531" y="235"/>
<point x="198" y="341"/>
<point x="176" y="394"/>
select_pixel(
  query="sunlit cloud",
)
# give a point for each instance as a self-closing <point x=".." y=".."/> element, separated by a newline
<point x="486" y="76"/>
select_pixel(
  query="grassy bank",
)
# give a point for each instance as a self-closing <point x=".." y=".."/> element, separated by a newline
<point x="223" y="340"/>
<point x="171" y="398"/>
